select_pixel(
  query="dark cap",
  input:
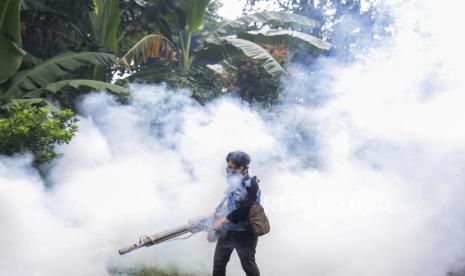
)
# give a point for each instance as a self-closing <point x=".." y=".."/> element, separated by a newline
<point x="239" y="158"/>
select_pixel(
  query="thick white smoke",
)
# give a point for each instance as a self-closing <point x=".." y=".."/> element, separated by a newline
<point x="362" y="169"/>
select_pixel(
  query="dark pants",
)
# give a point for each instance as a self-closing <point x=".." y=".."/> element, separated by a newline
<point x="245" y="243"/>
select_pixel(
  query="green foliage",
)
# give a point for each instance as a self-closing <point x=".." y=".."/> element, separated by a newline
<point x="9" y="19"/>
<point x="153" y="46"/>
<point x="105" y="23"/>
<point x="35" y="129"/>
<point x="78" y="84"/>
<point x="288" y="38"/>
<point x="244" y="38"/>
<point x="167" y="28"/>
<point x="204" y="83"/>
<point x="253" y="84"/>
<point x="282" y="19"/>
<point x="30" y="83"/>
<point x="240" y="44"/>
<point x="10" y="55"/>
<point x="185" y="17"/>
<point x="10" y="39"/>
<point x="239" y="48"/>
<point x="193" y="11"/>
<point x="51" y="27"/>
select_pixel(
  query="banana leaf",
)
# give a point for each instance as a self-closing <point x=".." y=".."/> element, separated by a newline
<point x="286" y="37"/>
<point x="195" y="13"/>
<point x="275" y="18"/>
<point x="48" y="71"/>
<point x="150" y="46"/>
<point x="94" y="85"/>
<point x="9" y="19"/>
<point x="232" y="47"/>
<point x="10" y="39"/>
<point x="11" y="57"/>
<point x="105" y="23"/>
<point x="255" y="52"/>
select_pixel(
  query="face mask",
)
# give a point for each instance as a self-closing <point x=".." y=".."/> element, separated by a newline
<point x="234" y="178"/>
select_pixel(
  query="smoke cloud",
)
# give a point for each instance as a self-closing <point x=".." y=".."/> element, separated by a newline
<point x="361" y="168"/>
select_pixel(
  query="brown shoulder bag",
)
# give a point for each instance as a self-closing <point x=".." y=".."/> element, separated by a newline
<point x="258" y="220"/>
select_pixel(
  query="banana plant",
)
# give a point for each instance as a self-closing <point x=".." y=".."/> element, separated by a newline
<point x="184" y="17"/>
<point x="236" y="39"/>
<point x="49" y="76"/>
<point x="240" y="38"/>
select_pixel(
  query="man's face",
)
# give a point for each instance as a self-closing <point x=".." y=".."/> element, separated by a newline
<point x="231" y="167"/>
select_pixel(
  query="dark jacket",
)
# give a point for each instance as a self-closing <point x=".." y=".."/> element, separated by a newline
<point x="242" y="207"/>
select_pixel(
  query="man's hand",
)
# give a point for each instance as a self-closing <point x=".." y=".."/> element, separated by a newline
<point x="219" y="223"/>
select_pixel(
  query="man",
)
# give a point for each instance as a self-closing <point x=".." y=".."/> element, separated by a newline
<point x="235" y="233"/>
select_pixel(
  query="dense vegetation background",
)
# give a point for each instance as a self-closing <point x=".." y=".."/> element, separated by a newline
<point x="54" y="51"/>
